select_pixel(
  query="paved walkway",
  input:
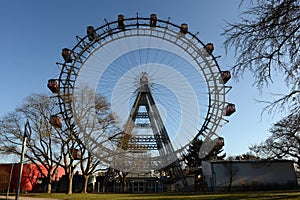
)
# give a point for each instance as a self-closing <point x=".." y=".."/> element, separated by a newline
<point x="23" y="198"/>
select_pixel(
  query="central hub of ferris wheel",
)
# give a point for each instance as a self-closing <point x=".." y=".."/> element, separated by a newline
<point x="144" y="80"/>
<point x="155" y="120"/>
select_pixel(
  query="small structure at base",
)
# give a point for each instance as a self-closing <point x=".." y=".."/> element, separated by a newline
<point x="32" y="177"/>
<point x="248" y="175"/>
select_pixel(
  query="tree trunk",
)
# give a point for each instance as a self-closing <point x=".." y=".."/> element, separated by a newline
<point x="86" y="179"/>
<point x="124" y="185"/>
<point x="49" y="181"/>
<point x="70" y="183"/>
<point x="230" y="183"/>
<point x="49" y="188"/>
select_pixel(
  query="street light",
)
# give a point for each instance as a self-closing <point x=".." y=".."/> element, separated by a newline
<point x="9" y="181"/>
<point x="27" y="134"/>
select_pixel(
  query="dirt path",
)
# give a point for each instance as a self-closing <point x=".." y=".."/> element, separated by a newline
<point x="2" y="197"/>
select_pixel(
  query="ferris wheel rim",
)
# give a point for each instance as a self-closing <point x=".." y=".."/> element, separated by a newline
<point x="66" y="83"/>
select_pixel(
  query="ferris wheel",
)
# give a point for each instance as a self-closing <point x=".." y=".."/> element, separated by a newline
<point x="163" y="86"/>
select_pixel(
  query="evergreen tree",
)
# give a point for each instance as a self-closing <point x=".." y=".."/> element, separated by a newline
<point x="192" y="158"/>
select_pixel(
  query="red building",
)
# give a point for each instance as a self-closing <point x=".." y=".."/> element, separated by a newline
<point x="31" y="176"/>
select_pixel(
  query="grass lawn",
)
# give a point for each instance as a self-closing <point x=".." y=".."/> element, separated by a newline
<point x="283" y="195"/>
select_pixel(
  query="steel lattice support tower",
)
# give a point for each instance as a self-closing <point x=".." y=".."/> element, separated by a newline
<point x="137" y="143"/>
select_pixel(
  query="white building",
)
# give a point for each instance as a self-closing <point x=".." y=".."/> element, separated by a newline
<point x="249" y="175"/>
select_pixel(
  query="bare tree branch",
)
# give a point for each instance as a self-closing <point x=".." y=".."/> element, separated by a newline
<point x="266" y="40"/>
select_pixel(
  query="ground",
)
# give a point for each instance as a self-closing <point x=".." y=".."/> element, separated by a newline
<point x="295" y="194"/>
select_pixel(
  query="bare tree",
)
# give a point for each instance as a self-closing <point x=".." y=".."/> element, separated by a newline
<point x="88" y="166"/>
<point x="266" y="40"/>
<point x="42" y="148"/>
<point x="52" y="147"/>
<point x="69" y="159"/>
<point x="231" y="171"/>
<point x="284" y="141"/>
<point x="122" y="176"/>
<point x="95" y="121"/>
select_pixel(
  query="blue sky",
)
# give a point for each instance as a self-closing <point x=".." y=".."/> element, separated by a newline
<point x="34" y="32"/>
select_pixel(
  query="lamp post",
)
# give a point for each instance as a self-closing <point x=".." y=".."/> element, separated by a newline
<point x="9" y="181"/>
<point x="27" y="133"/>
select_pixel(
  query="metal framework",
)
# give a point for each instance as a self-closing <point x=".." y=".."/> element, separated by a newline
<point x="176" y="35"/>
<point x="140" y="26"/>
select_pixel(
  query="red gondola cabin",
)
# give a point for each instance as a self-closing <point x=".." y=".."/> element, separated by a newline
<point x="225" y="76"/>
<point x="209" y="48"/>
<point x="53" y="85"/>
<point x="184" y="28"/>
<point x="153" y="19"/>
<point x="55" y="121"/>
<point x="121" y="24"/>
<point x="91" y="33"/>
<point x="67" y="55"/>
<point x="76" y="154"/>
<point x="229" y="109"/>
<point x="220" y="142"/>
